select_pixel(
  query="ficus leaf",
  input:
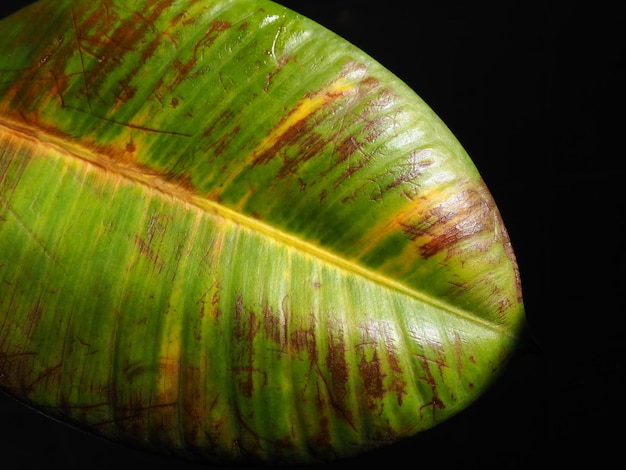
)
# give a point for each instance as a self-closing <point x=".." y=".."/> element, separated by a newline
<point x="230" y="235"/>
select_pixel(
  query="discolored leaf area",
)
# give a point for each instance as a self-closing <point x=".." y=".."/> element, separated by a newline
<point x="229" y="235"/>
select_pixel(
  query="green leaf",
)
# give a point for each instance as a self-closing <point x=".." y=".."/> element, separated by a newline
<point x="229" y="235"/>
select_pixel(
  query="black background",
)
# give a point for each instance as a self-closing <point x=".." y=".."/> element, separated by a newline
<point x="535" y="91"/>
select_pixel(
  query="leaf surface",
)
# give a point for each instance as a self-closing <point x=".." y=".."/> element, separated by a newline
<point x="228" y="234"/>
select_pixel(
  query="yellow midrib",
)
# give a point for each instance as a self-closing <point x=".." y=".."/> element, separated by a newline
<point x="157" y="184"/>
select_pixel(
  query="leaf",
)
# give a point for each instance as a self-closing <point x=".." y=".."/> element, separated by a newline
<point x="229" y="235"/>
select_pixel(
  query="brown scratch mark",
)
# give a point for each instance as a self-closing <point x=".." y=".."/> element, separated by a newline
<point x="143" y="128"/>
<point x="398" y="382"/>
<point x="67" y="407"/>
<point x="333" y="387"/>
<point x="276" y="322"/>
<point x="221" y="80"/>
<point x="458" y="218"/>
<point x="9" y="357"/>
<point x="215" y="30"/>
<point x="246" y="384"/>
<point x="410" y="170"/>
<point x="150" y="244"/>
<point x="435" y="402"/>
<point x="378" y="336"/>
<point x="131" y="125"/>
<point x="59" y="86"/>
<point x="403" y="176"/>
<point x="337" y="385"/>
<point x="50" y="52"/>
<point x="107" y="13"/>
<point x="372" y="376"/>
<point x="134" y="411"/>
<point x="80" y="55"/>
<point x="217" y="146"/>
<point x="238" y="444"/>
<point x="29" y="83"/>
<point x="83" y="342"/>
<point x="458" y="352"/>
<point x="32" y="235"/>
<point x="48" y="372"/>
<point x="282" y="62"/>
<point x="296" y="125"/>
<point x="247" y="326"/>
<point x="426" y="361"/>
<point x="10" y="362"/>
<point x="34" y="315"/>
<point x="110" y="44"/>
<point x="214" y="290"/>
<point x="134" y="370"/>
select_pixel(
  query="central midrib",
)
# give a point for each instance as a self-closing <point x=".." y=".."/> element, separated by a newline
<point x="155" y="183"/>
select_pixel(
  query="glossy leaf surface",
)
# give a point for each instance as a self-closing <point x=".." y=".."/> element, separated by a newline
<point x="228" y="234"/>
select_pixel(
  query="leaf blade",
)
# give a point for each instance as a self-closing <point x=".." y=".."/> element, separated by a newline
<point x="224" y="264"/>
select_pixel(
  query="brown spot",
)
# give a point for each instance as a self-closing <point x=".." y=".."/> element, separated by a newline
<point x="275" y="323"/>
<point x="304" y="340"/>
<point x="335" y="100"/>
<point x="125" y="91"/>
<point x="311" y="145"/>
<point x="298" y="127"/>
<point x="337" y="367"/>
<point x="322" y="438"/>
<point x="271" y="323"/>
<point x="149" y="244"/>
<point x="398" y="382"/>
<point x="504" y="304"/>
<point x="214" y="31"/>
<point x="183" y="181"/>
<point x="372" y="375"/>
<point x="246" y="379"/>
<point x="346" y="148"/>
<point x="246" y="328"/>
<point x="508" y="248"/>
<point x="122" y="40"/>
<point x="434" y="403"/>
<point x="458" y="218"/>
<point x="246" y="323"/>
<point x="410" y="170"/>
<point x="174" y="103"/>
<point x="377" y="336"/>
<point x="217" y="146"/>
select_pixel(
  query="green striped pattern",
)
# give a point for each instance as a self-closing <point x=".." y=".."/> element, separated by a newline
<point x="227" y="234"/>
